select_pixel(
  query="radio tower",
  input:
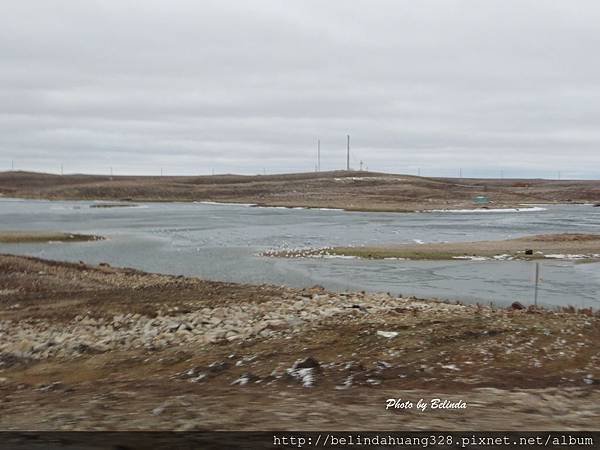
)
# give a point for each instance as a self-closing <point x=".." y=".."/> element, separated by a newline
<point x="318" y="155"/>
<point x="348" y="152"/>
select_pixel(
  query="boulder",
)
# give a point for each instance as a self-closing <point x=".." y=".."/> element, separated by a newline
<point x="308" y="363"/>
<point x="517" y="306"/>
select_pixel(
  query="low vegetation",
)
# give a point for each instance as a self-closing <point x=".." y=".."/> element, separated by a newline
<point x="349" y="190"/>
<point x="23" y="237"/>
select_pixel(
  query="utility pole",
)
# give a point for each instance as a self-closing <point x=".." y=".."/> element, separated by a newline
<point x="460" y="173"/>
<point x="348" y="153"/>
<point x="12" y="165"/>
<point x="419" y="172"/>
<point x="361" y="164"/>
<point x="61" y="170"/>
<point x="318" y="155"/>
<point x="537" y="280"/>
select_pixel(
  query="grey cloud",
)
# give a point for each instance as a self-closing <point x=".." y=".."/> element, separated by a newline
<point x="246" y="86"/>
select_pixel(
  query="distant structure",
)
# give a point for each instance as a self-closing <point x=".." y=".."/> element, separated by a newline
<point x="318" y="155"/>
<point x="481" y="200"/>
<point x="348" y="152"/>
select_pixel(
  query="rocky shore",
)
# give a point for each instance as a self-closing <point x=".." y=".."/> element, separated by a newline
<point x="104" y="348"/>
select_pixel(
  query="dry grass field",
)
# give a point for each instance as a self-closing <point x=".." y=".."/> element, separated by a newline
<point x="364" y="191"/>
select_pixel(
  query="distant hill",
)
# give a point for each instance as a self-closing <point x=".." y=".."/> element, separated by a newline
<point x="351" y="190"/>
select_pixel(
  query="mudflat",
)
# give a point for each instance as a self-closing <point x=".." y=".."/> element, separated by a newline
<point x="97" y="347"/>
<point x="349" y="190"/>
<point x="21" y="237"/>
<point x="547" y="246"/>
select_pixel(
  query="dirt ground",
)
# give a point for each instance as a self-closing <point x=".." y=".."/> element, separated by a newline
<point x="99" y="348"/>
<point x="361" y="191"/>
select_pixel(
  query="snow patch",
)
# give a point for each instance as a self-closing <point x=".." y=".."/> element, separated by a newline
<point x="493" y="210"/>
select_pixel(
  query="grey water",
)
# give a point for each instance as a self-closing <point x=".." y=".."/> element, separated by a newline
<point x="224" y="242"/>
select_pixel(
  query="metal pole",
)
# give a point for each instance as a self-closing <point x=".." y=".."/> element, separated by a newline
<point x="537" y="280"/>
<point x="348" y="153"/>
<point x="318" y="155"/>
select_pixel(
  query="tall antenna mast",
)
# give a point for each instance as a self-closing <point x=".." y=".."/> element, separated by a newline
<point x="348" y="152"/>
<point x="318" y="155"/>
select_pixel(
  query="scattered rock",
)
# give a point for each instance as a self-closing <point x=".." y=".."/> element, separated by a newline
<point x="305" y="371"/>
<point x="245" y="379"/>
<point x="387" y="334"/>
<point x="360" y="308"/>
<point x="517" y="306"/>
<point x="308" y="363"/>
<point x="305" y="376"/>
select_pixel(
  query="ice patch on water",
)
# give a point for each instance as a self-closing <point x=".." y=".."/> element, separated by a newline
<point x="471" y="258"/>
<point x="569" y="256"/>
<point x="493" y="210"/>
<point x="226" y="203"/>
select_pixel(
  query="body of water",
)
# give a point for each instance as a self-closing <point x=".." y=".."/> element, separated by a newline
<point x="223" y="242"/>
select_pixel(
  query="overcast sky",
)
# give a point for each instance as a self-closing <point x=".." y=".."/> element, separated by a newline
<point x="249" y="86"/>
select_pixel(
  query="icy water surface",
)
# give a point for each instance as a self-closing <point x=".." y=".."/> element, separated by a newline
<point x="222" y="242"/>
